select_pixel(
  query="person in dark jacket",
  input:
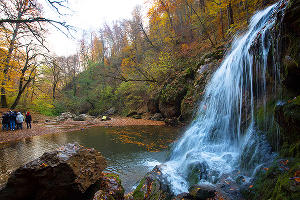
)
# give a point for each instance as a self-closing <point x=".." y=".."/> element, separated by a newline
<point x="12" y="120"/>
<point x="5" y="121"/>
<point x="28" y="120"/>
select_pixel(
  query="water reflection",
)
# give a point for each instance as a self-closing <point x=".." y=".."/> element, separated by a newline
<point x="130" y="151"/>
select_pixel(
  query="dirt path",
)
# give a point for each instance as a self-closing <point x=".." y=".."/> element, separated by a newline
<point x="43" y="127"/>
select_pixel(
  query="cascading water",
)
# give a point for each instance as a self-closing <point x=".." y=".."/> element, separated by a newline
<point x="223" y="138"/>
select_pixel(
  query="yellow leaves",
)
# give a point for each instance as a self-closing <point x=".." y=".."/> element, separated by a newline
<point x="127" y="66"/>
<point x="97" y="50"/>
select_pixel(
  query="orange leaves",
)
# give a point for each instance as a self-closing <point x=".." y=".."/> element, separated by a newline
<point x="296" y="176"/>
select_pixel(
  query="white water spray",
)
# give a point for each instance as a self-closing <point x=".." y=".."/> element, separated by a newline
<point x="216" y="141"/>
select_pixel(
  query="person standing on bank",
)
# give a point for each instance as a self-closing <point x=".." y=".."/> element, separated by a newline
<point x="12" y="120"/>
<point x="19" y="120"/>
<point x="28" y="120"/>
<point x="5" y="121"/>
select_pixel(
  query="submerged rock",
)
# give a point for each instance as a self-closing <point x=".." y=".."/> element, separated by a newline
<point x="72" y="172"/>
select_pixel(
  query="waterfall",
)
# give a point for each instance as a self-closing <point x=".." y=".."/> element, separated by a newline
<point x="224" y="137"/>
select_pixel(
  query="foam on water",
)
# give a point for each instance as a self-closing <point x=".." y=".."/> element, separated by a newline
<point x="216" y="141"/>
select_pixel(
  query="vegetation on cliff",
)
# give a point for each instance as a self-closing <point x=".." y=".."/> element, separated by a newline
<point x="128" y="63"/>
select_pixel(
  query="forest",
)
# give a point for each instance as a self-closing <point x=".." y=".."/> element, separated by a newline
<point x="123" y="65"/>
<point x="184" y="99"/>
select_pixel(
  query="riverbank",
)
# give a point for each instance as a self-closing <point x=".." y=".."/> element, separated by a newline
<point x="46" y="126"/>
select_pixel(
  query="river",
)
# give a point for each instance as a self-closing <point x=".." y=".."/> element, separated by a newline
<point x="130" y="151"/>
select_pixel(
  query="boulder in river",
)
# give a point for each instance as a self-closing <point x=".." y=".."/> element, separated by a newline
<point x="153" y="186"/>
<point x="71" y="172"/>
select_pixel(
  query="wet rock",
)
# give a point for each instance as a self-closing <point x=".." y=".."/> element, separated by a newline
<point x="157" y="117"/>
<point x="195" y="92"/>
<point x="72" y="172"/>
<point x="111" y="188"/>
<point x="240" y="180"/>
<point x="152" y="186"/>
<point x="202" y="191"/>
<point x="227" y="157"/>
<point x="197" y="171"/>
<point x="287" y="116"/>
<point x="290" y="52"/>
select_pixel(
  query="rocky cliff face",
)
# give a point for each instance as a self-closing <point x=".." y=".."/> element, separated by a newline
<point x="283" y="118"/>
<point x="178" y="98"/>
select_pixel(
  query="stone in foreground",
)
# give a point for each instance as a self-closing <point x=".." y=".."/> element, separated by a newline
<point x="153" y="186"/>
<point x="72" y="172"/>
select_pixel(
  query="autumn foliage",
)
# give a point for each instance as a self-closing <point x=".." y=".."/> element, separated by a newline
<point x="123" y="63"/>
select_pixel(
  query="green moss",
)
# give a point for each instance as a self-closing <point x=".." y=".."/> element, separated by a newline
<point x="290" y="150"/>
<point x="276" y="183"/>
<point x="137" y="193"/>
<point x="265" y="122"/>
<point x="116" y="176"/>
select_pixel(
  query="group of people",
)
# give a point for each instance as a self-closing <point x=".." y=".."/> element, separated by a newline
<point x="13" y="120"/>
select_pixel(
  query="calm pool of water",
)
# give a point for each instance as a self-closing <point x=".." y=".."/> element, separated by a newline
<point x="130" y="151"/>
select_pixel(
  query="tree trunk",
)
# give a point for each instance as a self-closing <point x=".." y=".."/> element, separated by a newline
<point x="16" y="100"/>
<point x="21" y="90"/>
<point x="230" y="14"/>
<point x="3" y="98"/>
<point x="53" y="90"/>
<point x="6" y="63"/>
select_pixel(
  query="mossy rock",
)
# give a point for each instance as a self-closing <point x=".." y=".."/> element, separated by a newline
<point x="277" y="182"/>
<point x="111" y="188"/>
<point x="152" y="187"/>
<point x="189" y="104"/>
<point x="288" y="117"/>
